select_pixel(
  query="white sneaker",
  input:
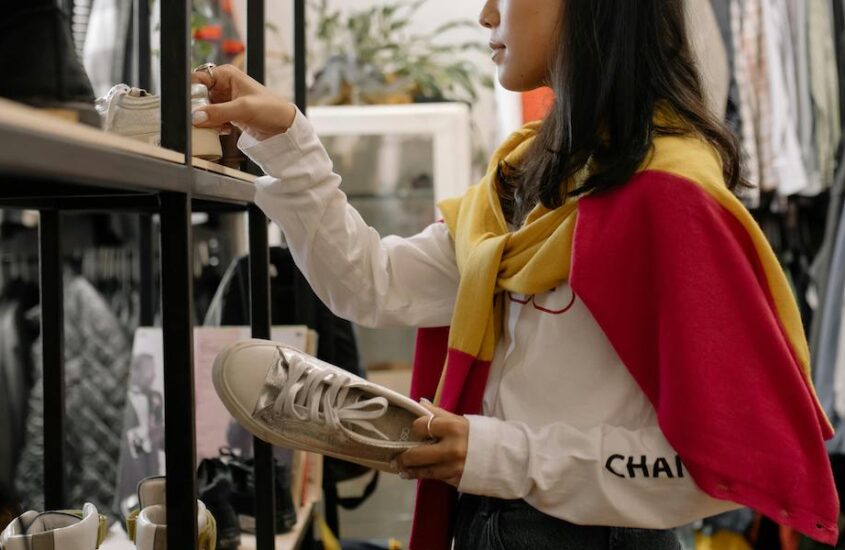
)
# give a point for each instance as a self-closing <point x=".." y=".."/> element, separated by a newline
<point x="136" y="114"/>
<point x="65" y="530"/>
<point x="147" y="527"/>
<point x="291" y="399"/>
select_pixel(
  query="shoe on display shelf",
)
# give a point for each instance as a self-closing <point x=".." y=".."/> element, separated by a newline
<point x="38" y="61"/>
<point x="136" y="114"/>
<point x="215" y="487"/>
<point x="243" y="494"/>
<point x="60" y="530"/>
<point x="291" y="399"/>
<point x="147" y="526"/>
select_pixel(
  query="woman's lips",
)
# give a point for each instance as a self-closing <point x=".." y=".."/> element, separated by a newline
<point x="496" y="48"/>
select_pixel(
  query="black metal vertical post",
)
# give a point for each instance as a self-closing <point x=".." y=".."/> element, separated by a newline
<point x="175" y="76"/>
<point x="259" y="293"/>
<point x="299" y="55"/>
<point x="142" y="43"/>
<point x="176" y="283"/>
<point x="53" y="359"/>
<point x="179" y="402"/>
<point x="146" y="278"/>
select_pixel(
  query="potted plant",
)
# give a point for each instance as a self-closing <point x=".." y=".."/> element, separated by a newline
<point x="373" y="56"/>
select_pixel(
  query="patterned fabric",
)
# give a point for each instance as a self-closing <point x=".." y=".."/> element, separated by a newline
<point x="97" y="358"/>
<point x="661" y="305"/>
<point x="751" y="72"/>
<point x="787" y="161"/>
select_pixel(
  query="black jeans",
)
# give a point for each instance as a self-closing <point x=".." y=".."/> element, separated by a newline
<point x="485" y="523"/>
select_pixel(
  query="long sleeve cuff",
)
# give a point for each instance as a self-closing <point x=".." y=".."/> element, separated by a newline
<point x="273" y="154"/>
<point x="497" y="459"/>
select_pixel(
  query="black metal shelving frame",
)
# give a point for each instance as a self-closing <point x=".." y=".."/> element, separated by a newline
<point x="56" y="174"/>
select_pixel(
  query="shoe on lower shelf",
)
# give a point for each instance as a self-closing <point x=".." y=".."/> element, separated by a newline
<point x="136" y="114"/>
<point x="147" y="526"/>
<point x="291" y="399"/>
<point x="215" y="487"/>
<point x="61" y="530"/>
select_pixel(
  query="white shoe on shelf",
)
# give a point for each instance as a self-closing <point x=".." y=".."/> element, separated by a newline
<point x="147" y="526"/>
<point x="291" y="399"/>
<point x="136" y="114"/>
<point x="61" y="530"/>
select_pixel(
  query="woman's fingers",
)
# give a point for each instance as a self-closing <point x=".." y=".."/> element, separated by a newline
<point x="212" y="116"/>
<point x="202" y="77"/>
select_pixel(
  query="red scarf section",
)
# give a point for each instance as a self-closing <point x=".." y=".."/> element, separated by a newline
<point x="674" y="281"/>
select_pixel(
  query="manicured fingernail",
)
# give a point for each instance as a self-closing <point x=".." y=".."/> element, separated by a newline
<point x="425" y="401"/>
<point x="199" y="117"/>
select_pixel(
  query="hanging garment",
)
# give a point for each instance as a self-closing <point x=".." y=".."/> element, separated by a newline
<point x="97" y="357"/>
<point x="751" y="73"/>
<point x="827" y="352"/>
<point x="711" y="55"/>
<point x="824" y="87"/>
<point x="16" y="338"/>
<point x="788" y="169"/>
<point x="106" y="44"/>
<point x="821" y="267"/>
<point x="722" y="10"/>
<point x="798" y="23"/>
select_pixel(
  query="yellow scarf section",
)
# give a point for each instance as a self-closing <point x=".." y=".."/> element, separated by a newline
<point x="534" y="259"/>
<point x="492" y="259"/>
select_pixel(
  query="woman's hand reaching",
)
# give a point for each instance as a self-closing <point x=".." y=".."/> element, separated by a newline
<point x="241" y="101"/>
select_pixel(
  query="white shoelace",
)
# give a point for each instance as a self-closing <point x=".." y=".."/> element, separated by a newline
<point x="312" y="395"/>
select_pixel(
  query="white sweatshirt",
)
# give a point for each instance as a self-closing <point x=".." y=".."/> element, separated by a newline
<point x="566" y="427"/>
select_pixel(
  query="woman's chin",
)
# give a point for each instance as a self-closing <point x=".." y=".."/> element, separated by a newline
<point x="515" y="81"/>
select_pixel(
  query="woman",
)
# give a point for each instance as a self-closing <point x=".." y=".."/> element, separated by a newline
<point x="616" y="315"/>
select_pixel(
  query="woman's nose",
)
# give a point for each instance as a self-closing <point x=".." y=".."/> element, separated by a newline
<point x="489" y="17"/>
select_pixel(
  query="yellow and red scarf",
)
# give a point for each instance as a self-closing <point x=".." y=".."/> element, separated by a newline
<point x="682" y="281"/>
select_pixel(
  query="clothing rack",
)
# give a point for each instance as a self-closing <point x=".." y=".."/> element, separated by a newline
<point x="55" y="167"/>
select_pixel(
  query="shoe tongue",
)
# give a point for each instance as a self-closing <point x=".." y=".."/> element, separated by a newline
<point x="49" y="521"/>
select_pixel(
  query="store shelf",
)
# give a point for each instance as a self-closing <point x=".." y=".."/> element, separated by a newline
<point x="215" y="182"/>
<point x="38" y="146"/>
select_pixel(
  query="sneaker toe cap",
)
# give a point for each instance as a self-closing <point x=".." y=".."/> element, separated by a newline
<point x="239" y="374"/>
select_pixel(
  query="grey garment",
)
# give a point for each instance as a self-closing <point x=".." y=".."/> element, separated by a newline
<point x="722" y="11"/>
<point x="824" y="88"/>
<point x="820" y="270"/>
<point x="828" y="339"/>
<point x="485" y="523"/>
<point x="97" y="358"/>
<point x="798" y="23"/>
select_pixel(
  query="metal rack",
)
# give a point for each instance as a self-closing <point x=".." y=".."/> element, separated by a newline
<point x="58" y="167"/>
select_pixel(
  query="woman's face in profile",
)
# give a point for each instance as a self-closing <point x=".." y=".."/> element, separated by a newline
<point x="523" y="39"/>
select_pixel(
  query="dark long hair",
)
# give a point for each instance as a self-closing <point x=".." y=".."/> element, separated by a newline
<point x="617" y="62"/>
